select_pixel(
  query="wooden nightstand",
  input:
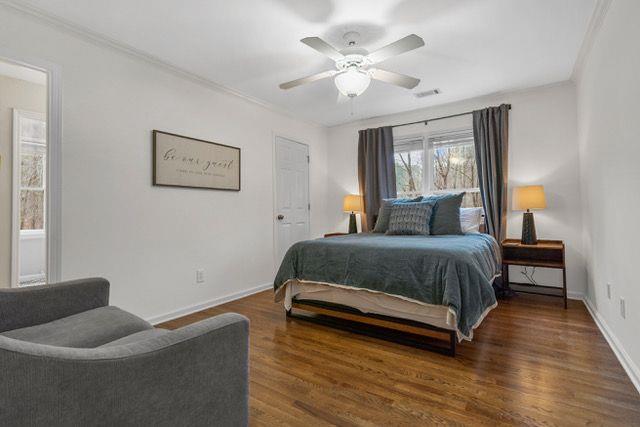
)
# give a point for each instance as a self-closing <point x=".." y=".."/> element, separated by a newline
<point x="547" y="254"/>
<point x="335" y="234"/>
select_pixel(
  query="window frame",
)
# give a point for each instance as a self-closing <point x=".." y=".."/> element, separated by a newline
<point x="36" y="145"/>
<point x="428" y="149"/>
<point x="406" y="140"/>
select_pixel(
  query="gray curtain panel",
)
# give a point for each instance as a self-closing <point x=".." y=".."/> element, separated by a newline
<point x="376" y="171"/>
<point x="491" y="136"/>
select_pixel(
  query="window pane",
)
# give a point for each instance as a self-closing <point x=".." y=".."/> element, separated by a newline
<point x="454" y="167"/>
<point x="31" y="129"/>
<point x="31" y="170"/>
<point x="409" y="167"/>
<point x="472" y="199"/>
<point x="31" y="209"/>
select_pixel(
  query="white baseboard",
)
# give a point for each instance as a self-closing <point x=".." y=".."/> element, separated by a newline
<point x="575" y="295"/>
<point x="625" y="360"/>
<point x="207" y="304"/>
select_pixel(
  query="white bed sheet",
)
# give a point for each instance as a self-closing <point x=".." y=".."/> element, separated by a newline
<point x="368" y="301"/>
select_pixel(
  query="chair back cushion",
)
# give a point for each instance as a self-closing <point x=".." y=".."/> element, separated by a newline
<point x="88" y="329"/>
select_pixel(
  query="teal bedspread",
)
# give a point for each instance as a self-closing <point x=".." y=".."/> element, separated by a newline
<point x="454" y="271"/>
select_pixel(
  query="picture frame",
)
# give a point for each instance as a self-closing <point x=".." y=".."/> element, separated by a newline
<point x="182" y="161"/>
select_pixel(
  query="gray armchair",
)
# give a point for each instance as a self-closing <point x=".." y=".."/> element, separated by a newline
<point x="69" y="359"/>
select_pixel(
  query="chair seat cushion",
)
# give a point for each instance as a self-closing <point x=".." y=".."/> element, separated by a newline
<point x="88" y="329"/>
<point x="138" y="336"/>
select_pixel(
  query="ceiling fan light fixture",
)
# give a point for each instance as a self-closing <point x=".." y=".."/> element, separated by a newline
<point x="352" y="82"/>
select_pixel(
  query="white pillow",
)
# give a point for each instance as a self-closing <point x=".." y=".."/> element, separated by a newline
<point x="470" y="219"/>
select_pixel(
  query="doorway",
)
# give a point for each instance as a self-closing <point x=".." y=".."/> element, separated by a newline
<point x="29" y="172"/>
<point x="29" y="197"/>
<point x="292" y="205"/>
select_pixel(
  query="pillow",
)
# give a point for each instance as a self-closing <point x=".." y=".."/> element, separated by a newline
<point x="470" y="219"/>
<point x="384" y="213"/>
<point x="445" y="218"/>
<point x="410" y="218"/>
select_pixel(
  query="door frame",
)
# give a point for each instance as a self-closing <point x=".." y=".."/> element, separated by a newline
<point x="53" y="213"/>
<point x="274" y="162"/>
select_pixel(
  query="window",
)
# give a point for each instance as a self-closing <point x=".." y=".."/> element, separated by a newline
<point x="33" y="150"/>
<point x="444" y="164"/>
<point x="454" y="165"/>
<point x="409" y="163"/>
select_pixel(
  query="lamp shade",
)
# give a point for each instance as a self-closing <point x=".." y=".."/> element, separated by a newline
<point x="352" y="82"/>
<point x="352" y="203"/>
<point x="529" y="197"/>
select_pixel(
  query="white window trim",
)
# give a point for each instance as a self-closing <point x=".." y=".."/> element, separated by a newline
<point x="31" y="234"/>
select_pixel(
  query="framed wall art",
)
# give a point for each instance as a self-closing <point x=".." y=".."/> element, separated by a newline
<point x="180" y="161"/>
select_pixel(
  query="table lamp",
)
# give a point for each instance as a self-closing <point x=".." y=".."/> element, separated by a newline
<point x="352" y="203"/>
<point x="525" y="199"/>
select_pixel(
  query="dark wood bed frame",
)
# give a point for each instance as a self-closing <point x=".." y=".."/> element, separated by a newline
<point x="402" y="331"/>
<point x="407" y="332"/>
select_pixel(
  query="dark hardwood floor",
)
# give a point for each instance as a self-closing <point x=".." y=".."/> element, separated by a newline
<point x="531" y="363"/>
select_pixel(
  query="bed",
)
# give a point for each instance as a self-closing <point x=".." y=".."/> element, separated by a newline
<point x="438" y="283"/>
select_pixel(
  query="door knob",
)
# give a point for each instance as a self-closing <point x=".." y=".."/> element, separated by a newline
<point x="280" y="217"/>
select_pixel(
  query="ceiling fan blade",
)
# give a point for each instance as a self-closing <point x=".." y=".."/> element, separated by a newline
<point x="323" y="47"/>
<point x="394" y="78"/>
<point x="403" y="45"/>
<point x="308" y="79"/>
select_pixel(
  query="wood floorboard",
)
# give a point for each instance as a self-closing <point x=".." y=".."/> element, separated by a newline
<point x="531" y="363"/>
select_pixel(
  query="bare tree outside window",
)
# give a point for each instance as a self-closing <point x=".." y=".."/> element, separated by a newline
<point x="454" y="168"/>
<point x="32" y="173"/>
<point x="409" y="167"/>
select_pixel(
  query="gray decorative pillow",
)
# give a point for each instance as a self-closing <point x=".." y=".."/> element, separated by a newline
<point x="410" y="218"/>
<point x="445" y="218"/>
<point x="384" y="213"/>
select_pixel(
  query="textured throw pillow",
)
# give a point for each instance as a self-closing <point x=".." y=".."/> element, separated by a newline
<point x="445" y="218"/>
<point x="470" y="219"/>
<point x="384" y="213"/>
<point x="410" y="218"/>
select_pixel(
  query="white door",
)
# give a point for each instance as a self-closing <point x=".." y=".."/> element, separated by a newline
<point x="292" y="194"/>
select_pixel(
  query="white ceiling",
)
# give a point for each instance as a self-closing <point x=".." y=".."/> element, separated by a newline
<point x="473" y="47"/>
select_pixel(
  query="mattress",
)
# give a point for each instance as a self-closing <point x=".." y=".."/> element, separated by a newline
<point x="368" y="301"/>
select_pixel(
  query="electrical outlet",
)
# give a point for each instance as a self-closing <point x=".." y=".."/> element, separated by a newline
<point x="200" y="275"/>
<point x="623" y="308"/>
<point x="609" y="290"/>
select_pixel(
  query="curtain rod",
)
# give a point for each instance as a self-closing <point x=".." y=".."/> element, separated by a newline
<point x="426" y="122"/>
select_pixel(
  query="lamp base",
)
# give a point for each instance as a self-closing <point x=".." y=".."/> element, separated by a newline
<point x="353" y="226"/>
<point x="528" y="230"/>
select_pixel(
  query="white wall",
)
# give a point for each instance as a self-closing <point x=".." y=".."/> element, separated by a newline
<point x="542" y="150"/>
<point x="33" y="255"/>
<point x="608" y="131"/>
<point x="148" y="241"/>
<point x="23" y="95"/>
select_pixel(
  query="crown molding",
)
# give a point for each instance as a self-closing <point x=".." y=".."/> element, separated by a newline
<point x="595" y="23"/>
<point x="105" y="41"/>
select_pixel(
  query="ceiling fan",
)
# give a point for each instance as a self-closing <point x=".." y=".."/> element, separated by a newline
<point x="353" y="71"/>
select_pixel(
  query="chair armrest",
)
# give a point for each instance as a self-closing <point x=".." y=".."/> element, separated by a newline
<point x="196" y="375"/>
<point x="34" y="305"/>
